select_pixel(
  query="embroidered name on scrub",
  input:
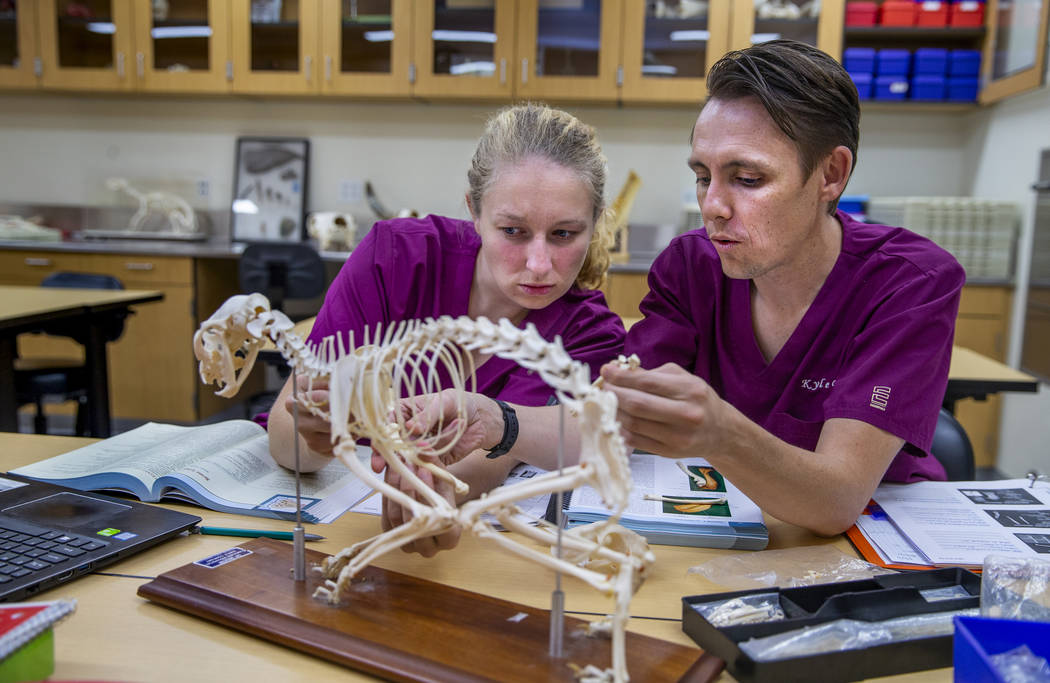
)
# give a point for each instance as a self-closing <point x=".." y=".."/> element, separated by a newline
<point x="814" y="384"/>
<point x="880" y="397"/>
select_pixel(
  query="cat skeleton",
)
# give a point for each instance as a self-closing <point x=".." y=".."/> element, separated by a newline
<point x="366" y="385"/>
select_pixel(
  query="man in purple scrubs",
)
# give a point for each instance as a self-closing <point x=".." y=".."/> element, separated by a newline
<point x="804" y="354"/>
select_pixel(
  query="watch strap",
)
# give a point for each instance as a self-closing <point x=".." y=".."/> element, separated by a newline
<point x="510" y="431"/>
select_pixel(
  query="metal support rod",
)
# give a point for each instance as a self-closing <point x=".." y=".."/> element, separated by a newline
<point x="298" y="534"/>
<point x="558" y="597"/>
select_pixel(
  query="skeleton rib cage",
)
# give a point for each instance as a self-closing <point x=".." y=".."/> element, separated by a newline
<point x="366" y="384"/>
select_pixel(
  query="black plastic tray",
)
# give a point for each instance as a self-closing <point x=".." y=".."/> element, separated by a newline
<point x="877" y="599"/>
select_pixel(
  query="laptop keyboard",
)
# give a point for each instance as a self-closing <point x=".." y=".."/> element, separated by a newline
<point x="24" y="551"/>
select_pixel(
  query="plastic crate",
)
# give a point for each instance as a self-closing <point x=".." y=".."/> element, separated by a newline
<point x="930" y="61"/>
<point x="964" y="63"/>
<point x="978" y="638"/>
<point x="897" y="13"/>
<point x="892" y="62"/>
<point x="864" y="82"/>
<point x="891" y="88"/>
<point x="962" y="89"/>
<point x="928" y="88"/>
<point x="931" y="13"/>
<point x="966" y="14"/>
<point x="861" y="13"/>
<point x="859" y="59"/>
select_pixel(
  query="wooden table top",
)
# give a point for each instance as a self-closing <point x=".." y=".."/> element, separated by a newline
<point x="116" y="635"/>
<point x="18" y="303"/>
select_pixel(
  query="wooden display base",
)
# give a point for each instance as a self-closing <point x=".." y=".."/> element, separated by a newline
<point x="400" y="627"/>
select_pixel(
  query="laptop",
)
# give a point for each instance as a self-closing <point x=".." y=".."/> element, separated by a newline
<point x="51" y="534"/>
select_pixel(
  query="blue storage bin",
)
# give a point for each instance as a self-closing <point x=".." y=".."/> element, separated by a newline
<point x="977" y="638"/>
<point x="892" y="62"/>
<point x="863" y="82"/>
<point x="964" y="63"/>
<point x="891" y="87"/>
<point x="930" y="61"/>
<point x="928" y="88"/>
<point x="962" y="89"/>
<point x="859" y="59"/>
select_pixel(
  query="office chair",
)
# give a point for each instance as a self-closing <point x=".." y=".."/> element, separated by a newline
<point x="281" y="271"/>
<point x="952" y="448"/>
<point x="39" y="378"/>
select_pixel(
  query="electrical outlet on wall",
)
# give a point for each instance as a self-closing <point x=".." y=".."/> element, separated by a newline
<point x="351" y="190"/>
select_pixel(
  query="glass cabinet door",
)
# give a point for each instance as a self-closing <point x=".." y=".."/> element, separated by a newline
<point x="274" y="46"/>
<point x="463" y="48"/>
<point x="367" y="46"/>
<point x="1015" y="52"/>
<point x="86" y="45"/>
<point x="18" y="52"/>
<point x="568" y="49"/>
<point x="668" y="48"/>
<point x="815" y="22"/>
<point x="182" y="45"/>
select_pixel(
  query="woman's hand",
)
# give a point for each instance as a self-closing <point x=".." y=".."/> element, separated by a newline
<point x="435" y="418"/>
<point x="315" y="431"/>
<point x="395" y="515"/>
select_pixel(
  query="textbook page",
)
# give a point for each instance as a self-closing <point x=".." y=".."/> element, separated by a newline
<point x="224" y="466"/>
<point x="657" y="476"/>
<point x="961" y="522"/>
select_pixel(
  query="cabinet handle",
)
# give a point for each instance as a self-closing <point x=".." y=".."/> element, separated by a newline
<point x="229" y="69"/>
<point x="503" y="70"/>
<point x="328" y="68"/>
<point x="120" y="65"/>
<point x="132" y="265"/>
<point x="140" y="64"/>
<point x="309" y="67"/>
<point x="37" y="262"/>
<point x="38" y="67"/>
<point x="525" y="70"/>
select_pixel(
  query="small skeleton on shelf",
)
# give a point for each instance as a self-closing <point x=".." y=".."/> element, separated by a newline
<point x="366" y="385"/>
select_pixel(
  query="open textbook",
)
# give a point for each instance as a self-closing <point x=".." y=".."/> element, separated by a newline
<point x="958" y="523"/>
<point x="224" y="466"/>
<point x="679" y="516"/>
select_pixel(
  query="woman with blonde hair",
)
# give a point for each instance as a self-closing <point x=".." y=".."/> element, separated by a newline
<point x="535" y="251"/>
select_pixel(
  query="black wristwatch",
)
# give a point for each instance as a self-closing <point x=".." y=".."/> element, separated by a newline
<point x="510" y="431"/>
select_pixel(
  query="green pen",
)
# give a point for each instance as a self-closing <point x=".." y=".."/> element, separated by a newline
<point x="251" y="533"/>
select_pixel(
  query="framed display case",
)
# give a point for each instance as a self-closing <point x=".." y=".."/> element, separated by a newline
<point x="270" y="184"/>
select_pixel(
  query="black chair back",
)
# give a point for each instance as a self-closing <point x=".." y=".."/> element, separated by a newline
<point x="282" y="270"/>
<point x="952" y="448"/>
<point x="74" y="280"/>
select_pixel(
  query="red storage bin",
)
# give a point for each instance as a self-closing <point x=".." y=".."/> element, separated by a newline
<point x="897" y="13"/>
<point x="966" y="14"/>
<point x="861" y="13"/>
<point x="931" y="13"/>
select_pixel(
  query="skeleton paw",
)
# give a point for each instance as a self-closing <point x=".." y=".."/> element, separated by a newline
<point x="592" y="674"/>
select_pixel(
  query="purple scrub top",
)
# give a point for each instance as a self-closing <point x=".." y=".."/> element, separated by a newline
<point x="414" y="268"/>
<point x="875" y="344"/>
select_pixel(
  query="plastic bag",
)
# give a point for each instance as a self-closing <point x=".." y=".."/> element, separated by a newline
<point x="1016" y="588"/>
<point x="787" y="568"/>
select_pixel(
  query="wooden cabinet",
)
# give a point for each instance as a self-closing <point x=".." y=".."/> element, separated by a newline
<point x="153" y="373"/>
<point x="823" y="29"/>
<point x="982" y="326"/>
<point x="366" y="47"/>
<point x="18" y="52"/>
<point x="463" y="49"/>
<point x="275" y="53"/>
<point x="115" y="45"/>
<point x="1015" y="52"/>
<point x="624" y="291"/>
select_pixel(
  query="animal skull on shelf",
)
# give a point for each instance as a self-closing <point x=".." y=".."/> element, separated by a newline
<point x="333" y="231"/>
<point x="367" y="383"/>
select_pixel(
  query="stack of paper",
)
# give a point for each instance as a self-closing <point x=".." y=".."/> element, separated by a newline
<point x="957" y="523"/>
<point x="667" y="506"/>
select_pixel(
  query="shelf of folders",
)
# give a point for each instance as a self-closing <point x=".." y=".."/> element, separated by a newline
<point x="979" y="233"/>
<point x="926" y="74"/>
